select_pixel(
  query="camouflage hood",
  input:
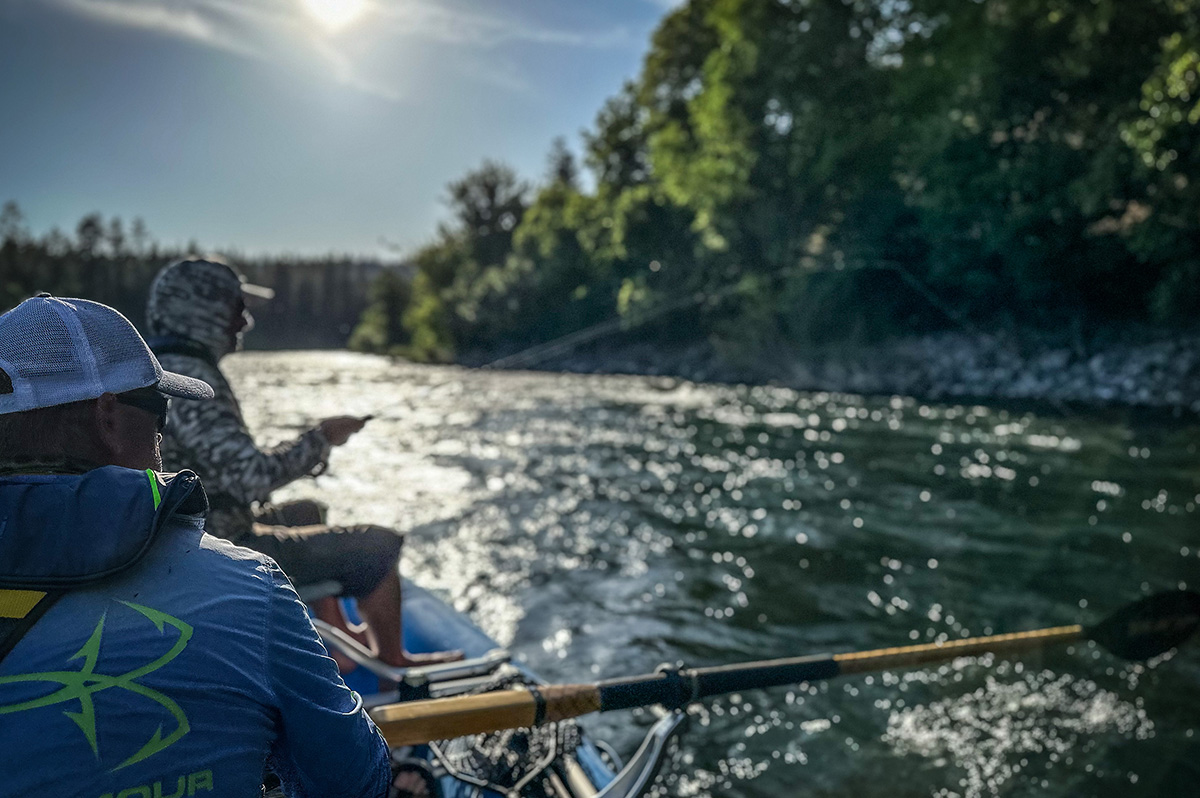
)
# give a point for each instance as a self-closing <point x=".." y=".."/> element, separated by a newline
<point x="197" y="300"/>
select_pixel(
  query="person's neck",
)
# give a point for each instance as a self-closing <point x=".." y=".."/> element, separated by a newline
<point x="46" y="465"/>
<point x="171" y="343"/>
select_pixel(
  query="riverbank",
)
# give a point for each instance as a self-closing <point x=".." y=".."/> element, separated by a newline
<point x="1147" y="368"/>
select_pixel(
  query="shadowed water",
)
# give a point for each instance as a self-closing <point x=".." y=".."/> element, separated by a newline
<point x="602" y="525"/>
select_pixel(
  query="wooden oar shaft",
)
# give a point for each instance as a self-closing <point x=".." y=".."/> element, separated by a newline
<point x="415" y="722"/>
<point x="904" y="656"/>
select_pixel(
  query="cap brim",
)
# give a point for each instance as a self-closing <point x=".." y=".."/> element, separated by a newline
<point x="258" y="291"/>
<point x="184" y="387"/>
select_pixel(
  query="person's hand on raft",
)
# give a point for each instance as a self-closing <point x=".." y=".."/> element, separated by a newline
<point x="337" y="430"/>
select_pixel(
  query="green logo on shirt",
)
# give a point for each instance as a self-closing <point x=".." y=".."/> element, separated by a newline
<point x="84" y="683"/>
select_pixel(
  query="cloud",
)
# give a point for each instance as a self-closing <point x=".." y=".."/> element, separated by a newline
<point x="448" y="25"/>
<point x="171" y="19"/>
<point x="280" y="32"/>
<point x="276" y="31"/>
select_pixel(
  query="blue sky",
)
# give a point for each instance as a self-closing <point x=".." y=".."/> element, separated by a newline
<point x="252" y="124"/>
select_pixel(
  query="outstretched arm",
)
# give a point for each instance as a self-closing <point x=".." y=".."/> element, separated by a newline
<point x="211" y="438"/>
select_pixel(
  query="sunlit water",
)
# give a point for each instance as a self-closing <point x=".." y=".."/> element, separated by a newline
<point x="600" y="526"/>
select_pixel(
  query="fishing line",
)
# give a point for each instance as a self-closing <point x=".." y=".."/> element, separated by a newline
<point x="539" y="353"/>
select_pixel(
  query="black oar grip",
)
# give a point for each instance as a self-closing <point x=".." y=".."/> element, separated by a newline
<point x="756" y="675"/>
<point x="677" y="688"/>
<point x="664" y="687"/>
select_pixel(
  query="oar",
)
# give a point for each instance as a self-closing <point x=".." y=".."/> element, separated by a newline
<point x="1141" y="630"/>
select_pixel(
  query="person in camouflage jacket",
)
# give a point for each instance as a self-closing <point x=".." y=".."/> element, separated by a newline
<point x="196" y="314"/>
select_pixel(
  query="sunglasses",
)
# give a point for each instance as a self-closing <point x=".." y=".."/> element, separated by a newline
<point x="149" y="400"/>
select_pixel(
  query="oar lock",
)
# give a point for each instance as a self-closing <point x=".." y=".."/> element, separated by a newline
<point x="680" y="687"/>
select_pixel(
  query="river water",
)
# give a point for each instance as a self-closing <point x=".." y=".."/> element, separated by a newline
<point x="601" y="525"/>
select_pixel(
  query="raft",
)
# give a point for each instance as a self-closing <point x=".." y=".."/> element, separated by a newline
<point x="557" y="760"/>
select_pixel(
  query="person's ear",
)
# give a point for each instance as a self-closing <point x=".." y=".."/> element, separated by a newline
<point x="109" y="429"/>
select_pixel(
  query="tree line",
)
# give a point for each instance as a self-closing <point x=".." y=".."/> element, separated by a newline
<point x="798" y="172"/>
<point x="318" y="300"/>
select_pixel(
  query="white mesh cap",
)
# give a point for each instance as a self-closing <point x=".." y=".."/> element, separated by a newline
<point x="55" y="351"/>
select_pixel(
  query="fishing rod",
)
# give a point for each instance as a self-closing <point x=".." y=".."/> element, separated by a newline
<point x="530" y="356"/>
<point x="1139" y="631"/>
<point x="537" y="353"/>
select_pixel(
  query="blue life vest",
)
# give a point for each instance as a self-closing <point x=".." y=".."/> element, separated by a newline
<point x="174" y="665"/>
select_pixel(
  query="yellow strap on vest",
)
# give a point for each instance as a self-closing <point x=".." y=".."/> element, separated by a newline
<point x="18" y="603"/>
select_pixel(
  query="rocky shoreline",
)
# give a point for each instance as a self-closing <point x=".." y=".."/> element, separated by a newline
<point x="1146" y="369"/>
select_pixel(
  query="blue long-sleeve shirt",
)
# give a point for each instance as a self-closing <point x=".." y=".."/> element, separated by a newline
<point x="183" y="674"/>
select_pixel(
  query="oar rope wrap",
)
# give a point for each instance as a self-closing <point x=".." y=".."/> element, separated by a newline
<point x="416" y="722"/>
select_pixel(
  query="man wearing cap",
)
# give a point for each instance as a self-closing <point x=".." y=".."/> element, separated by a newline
<point x="138" y="655"/>
<point x="196" y="314"/>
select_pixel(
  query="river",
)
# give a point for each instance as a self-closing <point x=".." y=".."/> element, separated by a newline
<point x="601" y="525"/>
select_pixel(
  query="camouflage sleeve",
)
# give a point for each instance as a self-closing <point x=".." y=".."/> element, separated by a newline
<point x="211" y="438"/>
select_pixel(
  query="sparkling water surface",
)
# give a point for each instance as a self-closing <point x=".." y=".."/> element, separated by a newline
<point x="601" y="525"/>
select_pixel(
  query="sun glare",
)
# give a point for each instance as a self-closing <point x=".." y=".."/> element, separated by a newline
<point x="335" y="14"/>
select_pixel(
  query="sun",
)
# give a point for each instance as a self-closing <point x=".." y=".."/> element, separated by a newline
<point x="334" y="14"/>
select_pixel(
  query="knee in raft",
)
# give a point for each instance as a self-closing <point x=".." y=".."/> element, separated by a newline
<point x="385" y="542"/>
<point x="308" y="511"/>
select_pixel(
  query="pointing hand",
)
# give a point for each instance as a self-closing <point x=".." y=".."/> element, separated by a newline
<point x="337" y="430"/>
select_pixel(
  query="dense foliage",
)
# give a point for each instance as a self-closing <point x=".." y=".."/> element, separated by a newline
<point x="800" y="171"/>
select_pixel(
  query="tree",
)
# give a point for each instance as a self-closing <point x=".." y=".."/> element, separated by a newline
<point x="1014" y="156"/>
<point x="1161" y="223"/>
<point x="487" y="205"/>
<point x="12" y="224"/>
<point x="115" y="237"/>
<point x="140" y="236"/>
<point x="380" y="329"/>
<point x="616" y="152"/>
<point x="563" y="169"/>
<point x="89" y="232"/>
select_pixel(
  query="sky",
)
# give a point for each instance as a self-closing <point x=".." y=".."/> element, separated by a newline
<point x="294" y="126"/>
